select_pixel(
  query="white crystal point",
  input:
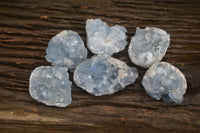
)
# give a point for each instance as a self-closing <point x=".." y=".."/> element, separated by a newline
<point x="102" y="39"/>
<point x="164" y="81"/>
<point x="50" y="85"/>
<point x="148" y="46"/>
<point x="66" y="49"/>
<point x="103" y="75"/>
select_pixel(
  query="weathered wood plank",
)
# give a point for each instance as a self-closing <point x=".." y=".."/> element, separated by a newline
<point x="27" y="26"/>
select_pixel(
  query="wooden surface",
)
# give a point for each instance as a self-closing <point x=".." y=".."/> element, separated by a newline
<point x="26" y="26"/>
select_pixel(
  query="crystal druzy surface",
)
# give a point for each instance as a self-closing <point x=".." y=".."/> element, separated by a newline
<point x="51" y="86"/>
<point x="66" y="49"/>
<point x="148" y="46"/>
<point x="102" y="75"/>
<point x="164" y="81"/>
<point x="102" y="39"/>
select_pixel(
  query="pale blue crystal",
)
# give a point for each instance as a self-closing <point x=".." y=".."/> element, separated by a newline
<point x="51" y="86"/>
<point x="102" y="39"/>
<point x="164" y="81"/>
<point x="102" y="75"/>
<point x="148" y="46"/>
<point x="66" y="49"/>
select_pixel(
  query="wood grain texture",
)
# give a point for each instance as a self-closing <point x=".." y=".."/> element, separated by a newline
<point x="27" y="26"/>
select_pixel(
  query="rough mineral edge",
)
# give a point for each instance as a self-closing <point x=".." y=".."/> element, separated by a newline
<point x="148" y="46"/>
<point x="50" y="85"/>
<point x="66" y="49"/>
<point x="164" y="81"/>
<point x="104" y="75"/>
<point x="102" y="39"/>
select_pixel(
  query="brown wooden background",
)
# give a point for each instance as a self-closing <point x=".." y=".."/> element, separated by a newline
<point x="26" y="26"/>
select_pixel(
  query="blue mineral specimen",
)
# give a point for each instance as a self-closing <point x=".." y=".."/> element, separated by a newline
<point x="66" y="49"/>
<point x="164" y="81"/>
<point x="50" y="85"/>
<point x="102" y="75"/>
<point x="102" y="39"/>
<point x="148" y="46"/>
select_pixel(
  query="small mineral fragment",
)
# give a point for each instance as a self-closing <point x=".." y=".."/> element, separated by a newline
<point x="102" y="39"/>
<point x="50" y="85"/>
<point x="148" y="46"/>
<point x="164" y="81"/>
<point x="66" y="49"/>
<point x="103" y="75"/>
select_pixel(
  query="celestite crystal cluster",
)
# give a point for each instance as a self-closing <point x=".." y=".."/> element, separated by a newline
<point x="51" y="86"/>
<point x="164" y="81"/>
<point x="103" y="74"/>
<point x="102" y="39"/>
<point x="148" y="46"/>
<point x="66" y="49"/>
